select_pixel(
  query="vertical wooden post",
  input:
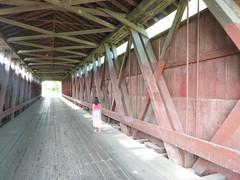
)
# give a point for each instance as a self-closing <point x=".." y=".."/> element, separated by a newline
<point x="122" y="85"/>
<point x="29" y="87"/>
<point x="15" y="83"/>
<point x="22" y="86"/>
<point x="103" y="90"/>
<point x="4" y="78"/>
<point x="92" y="92"/>
<point x="116" y="91"/>
<point x="73" y="85"/>
<point x="86" y="73"/>
<point x="77" y="86"/>
<point x="97" y="79"/>
<point x="81" y="85"/>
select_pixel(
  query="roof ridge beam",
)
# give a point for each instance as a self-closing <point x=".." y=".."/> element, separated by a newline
<point x="82" y="13"/>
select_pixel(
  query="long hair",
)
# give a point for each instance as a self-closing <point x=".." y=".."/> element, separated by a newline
<point x="96" y="101"/>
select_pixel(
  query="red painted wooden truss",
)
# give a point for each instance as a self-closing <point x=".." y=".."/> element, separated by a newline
<point x="148" y="96"/>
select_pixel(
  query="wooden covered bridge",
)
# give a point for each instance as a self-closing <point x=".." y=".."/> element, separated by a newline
<point x="170" y="103"/>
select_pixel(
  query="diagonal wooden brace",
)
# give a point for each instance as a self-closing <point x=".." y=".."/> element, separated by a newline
<point x="228" y="15"/>
<point x="116" y="90"/>
<point x="154" y="94"/>
<point x="222" y="136"/>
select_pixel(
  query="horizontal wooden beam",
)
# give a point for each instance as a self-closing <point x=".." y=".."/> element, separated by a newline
<point x="52" y="58"/>
<point x="72" y="33"/>
<point x="36" y="3"/>
<point x="51" y="72"/>
<point x="90" y="31"/>
<point x="51" y="48"/>
<point x="205" y="57"/>
<point x="125" y="21"/>
<point x="21" y="9"/>
<point x="19" y="3"/>
<point x="51" y="77"/>
<point x="77" y="2"/>
<point x="49" y="63"/>
<point x="44" y="67"/>
<point x="55" y="61"/>
<point x="16" y="108"/>
<point x="26" y="38"/>
<point x="45" y="48"/>
<point x="52" y="34"/>
<point x="27" y="6"/>
<point x="75" y="47"/>
<point x="97" y="12"/>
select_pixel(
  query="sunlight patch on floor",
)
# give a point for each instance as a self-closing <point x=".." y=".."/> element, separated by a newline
<point x="70" y="104"/>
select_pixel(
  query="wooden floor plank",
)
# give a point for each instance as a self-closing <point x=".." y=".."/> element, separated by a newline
<point x="54" y="139"/>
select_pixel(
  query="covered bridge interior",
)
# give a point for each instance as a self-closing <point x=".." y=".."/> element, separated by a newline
<point x="176" y="92"/>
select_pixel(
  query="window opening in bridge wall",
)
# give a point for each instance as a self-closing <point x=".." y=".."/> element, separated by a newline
<point x="166" y="22"/>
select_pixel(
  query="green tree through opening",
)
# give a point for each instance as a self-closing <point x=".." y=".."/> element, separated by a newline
<point x="51" y="86"/>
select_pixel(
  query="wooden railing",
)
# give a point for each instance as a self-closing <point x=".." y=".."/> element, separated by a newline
<point x="16" y="108"/>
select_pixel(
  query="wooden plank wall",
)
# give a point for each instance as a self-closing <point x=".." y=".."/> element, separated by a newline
<point x="16" y="87"/>
<point x="219" y="83"/>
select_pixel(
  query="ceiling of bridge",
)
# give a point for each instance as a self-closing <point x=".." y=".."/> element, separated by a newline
<point x="53" y="37"/>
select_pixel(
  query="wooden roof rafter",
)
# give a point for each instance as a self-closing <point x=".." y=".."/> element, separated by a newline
<point x="70" y="29"/>
<point x="25" y="20"/>
<point x="82" y="13"/>
<point x="120" y="6"/>
<point x="43" y="31"/>
<point x="132" y="2"/>
<point x="54" y="31"/>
